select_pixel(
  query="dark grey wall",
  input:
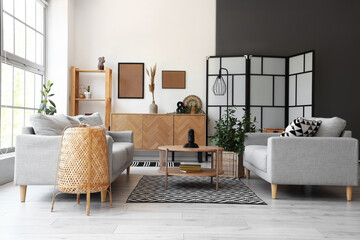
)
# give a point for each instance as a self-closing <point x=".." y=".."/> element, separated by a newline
<point x="286" y="27"/>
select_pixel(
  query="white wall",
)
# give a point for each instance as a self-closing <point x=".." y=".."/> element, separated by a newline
<point x="177" y="35"/>
<point x="60" y="50"/>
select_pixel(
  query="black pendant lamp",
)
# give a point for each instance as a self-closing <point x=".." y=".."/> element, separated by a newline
<point x="219" y="88"/>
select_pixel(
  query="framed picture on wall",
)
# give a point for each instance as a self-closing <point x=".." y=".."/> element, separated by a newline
<point x="131" y="80"/>
<point x="173" y="79"/>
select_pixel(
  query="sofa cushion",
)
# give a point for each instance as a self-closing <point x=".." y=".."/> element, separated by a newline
<point x="122" y="154"/>
<point x="302" y="127"/>
<point x="93" y="119"/>
<point x="256" y="156"/>
<point x="331" y="127"/>
<point x="49" y="125"/>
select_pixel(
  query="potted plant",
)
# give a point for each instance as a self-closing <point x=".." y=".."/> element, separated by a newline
<point x="44" y="108"/>
<point x="230" y="134"/>
<point x="87" y="93"/>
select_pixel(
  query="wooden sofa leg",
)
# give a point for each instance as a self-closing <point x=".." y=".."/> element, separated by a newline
<point x="23" y="193"/>
<point x="273" y="190"/>
<point x="349" y="193"/>
<point x="247" y="173"/>
<point x="103" y="196"/>
<point x="128" y="170"/>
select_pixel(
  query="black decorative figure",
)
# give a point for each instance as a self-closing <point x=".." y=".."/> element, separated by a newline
<point x="180" y="107"/>
<point x="191" y="140"/>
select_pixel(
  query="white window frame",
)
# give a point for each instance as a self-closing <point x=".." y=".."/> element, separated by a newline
<point x="19" y="62"/>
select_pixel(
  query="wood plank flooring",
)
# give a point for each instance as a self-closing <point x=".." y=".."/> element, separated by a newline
<point x="300" y="212"/>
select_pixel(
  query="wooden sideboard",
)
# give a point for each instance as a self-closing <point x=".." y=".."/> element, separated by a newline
<point x="154" y="130"/>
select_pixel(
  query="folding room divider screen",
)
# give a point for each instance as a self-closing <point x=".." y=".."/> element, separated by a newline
<point x="275" y="89"/>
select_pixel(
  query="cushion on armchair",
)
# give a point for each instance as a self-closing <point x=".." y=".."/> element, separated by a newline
<point x="302" y="127"/>
<point x="331" y="127"/>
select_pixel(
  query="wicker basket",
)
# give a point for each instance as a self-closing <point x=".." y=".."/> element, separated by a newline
<point x="83" y="165"/>
<point x="232" y="165"/>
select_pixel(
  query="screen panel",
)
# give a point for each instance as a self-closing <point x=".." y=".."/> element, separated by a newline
<point x="279" y="91"/>
<point x="273" y="117"/>
<point x="261" y="91"/>
<point x="274" y="66"/>
<point x="235" y="65"/>
<point x="235" y="84"/>
<point x="267" y="90"/>
<point x="301" y="84"/>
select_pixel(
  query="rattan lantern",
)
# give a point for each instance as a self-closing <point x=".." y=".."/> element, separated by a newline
<point x="83" y="164"/>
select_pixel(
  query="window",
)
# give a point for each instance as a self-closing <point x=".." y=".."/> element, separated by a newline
<point x="22" y="65"/>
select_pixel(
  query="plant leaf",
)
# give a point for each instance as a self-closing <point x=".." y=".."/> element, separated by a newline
<point x="52" y="103"/>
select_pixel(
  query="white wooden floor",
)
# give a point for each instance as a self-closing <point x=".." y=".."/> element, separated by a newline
<point x="298" y="213"/>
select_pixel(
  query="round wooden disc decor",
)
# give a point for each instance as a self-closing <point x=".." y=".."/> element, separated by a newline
<point x="192" y="100"/>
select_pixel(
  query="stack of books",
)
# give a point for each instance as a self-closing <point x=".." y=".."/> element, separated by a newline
<point x="188" y="167"/>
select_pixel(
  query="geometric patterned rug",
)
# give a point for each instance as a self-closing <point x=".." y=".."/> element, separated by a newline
<point x="153" y="164"/>
<point x="151" y="189"/>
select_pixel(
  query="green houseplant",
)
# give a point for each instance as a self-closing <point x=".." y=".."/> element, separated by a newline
<point x="230" y="133"/>
<point x="44" y="107"/>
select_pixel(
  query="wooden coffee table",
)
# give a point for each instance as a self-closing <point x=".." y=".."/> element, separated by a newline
<point x="214" y="171"/>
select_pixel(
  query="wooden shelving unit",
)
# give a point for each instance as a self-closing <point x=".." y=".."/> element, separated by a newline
<point x="74" y="96"/>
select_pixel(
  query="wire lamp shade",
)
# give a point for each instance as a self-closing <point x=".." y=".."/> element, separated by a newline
<point x="219" y="87"/>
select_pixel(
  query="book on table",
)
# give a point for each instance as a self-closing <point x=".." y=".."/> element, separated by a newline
<point x="189" y="167"/>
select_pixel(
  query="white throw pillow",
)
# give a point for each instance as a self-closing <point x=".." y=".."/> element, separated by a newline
<point x="331" y="127"/>
<point x="93" y="119"/>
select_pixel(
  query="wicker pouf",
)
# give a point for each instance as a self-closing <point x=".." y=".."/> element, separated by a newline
<point x="83" y="165"/>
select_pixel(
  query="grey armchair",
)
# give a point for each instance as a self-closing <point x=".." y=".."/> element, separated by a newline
<point x="36" y="158"/>
<point x="303" y="160"/>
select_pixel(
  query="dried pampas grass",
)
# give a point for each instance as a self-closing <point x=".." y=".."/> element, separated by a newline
<point x="151" y="74"/>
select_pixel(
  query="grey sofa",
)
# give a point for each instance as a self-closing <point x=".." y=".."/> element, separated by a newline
<point x="36" y="158"/>
<point x="303" y="160"/>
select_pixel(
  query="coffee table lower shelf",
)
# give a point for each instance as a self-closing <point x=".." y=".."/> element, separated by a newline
<point x="205" y="172"/>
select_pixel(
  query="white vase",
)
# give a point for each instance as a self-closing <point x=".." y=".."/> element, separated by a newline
<point x="153" y="108"/>
<point x="87" y="95"/>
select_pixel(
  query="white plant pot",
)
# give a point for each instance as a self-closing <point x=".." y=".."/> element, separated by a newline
<point x="87" y="95"/>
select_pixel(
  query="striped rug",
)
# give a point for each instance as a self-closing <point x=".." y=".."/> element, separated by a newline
<point x="152" y="164"/>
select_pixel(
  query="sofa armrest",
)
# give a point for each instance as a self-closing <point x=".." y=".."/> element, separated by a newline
<point x="36" y="159"/>
<point x="259" y="138"/>
<point x="313" y="160"/>
<point x="27" y="130"/>
<point x="124" y="136"/>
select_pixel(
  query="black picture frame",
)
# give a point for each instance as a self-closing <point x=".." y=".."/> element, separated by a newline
<point x="131" y="77"/>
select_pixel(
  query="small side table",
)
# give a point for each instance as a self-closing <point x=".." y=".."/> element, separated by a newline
<point x="214" y="171"/>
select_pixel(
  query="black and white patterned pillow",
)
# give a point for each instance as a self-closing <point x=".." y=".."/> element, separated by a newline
<point x="301" y="127"/>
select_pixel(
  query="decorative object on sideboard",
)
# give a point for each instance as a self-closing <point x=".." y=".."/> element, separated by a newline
<point x="192" y="101"/>
<point x="191" y="140"/>
<point x="81" y="96"/>
<point x="153" y="108"/>
<point x="101" y="63"/>
<point x="131" y="80"/>
<point x="173" y="79"/>
<point x="192" y="109"/>
<point x="87" y="93"/>
<point x="44" y="108"/>
<point x="180" y="107"/>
